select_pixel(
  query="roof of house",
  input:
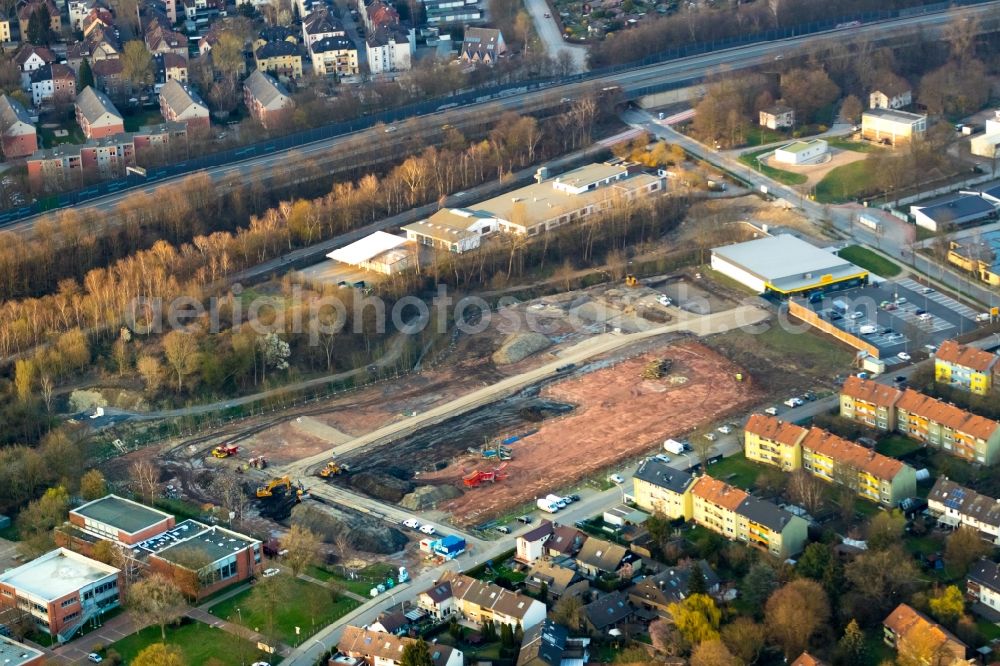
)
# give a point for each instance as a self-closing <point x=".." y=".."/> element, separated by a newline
<point x="268" y="92"/>
<point x="56" y="574"/>
<point x="336" y="43"/>
<point x="986" y="573"/>
<point x="965" y="501"/>
<point x="25" y="11"/>
<point x="385" y="646"/>
<point x="392" y="622"/>
<point x="895" y="115"/>
<point x="719" y="493"/>
<point x="13" y="653"/>
<point x="93" y="104"/>
<point x="602" y="555"/>
<point x="806" y="659"/>
<point x="121" y="514"/>
<point x="179" y="97"/>
<point x="662" y="475"/>
<point x="482" y="41"/>
<point x="796" y="147"/>
<point x="392" y="32"/>
<point x="440" y="592"/>
<point x="671" y="585"/>
<point x="566" y="540"/>
<point x="277" y="49"/>
<point x="975" y="359"/>
<point x="100" y="15"/>
<point x="870" y="391"/>
<point x="555" y="577"/>
<point x="11" y="113"/>
<point x="381" y="14"/>
<point x="950" y="416"/>
<point x="172" y="60"/>
<point x="904" y="621"/>
<point x="891" y="85"/>
<point x="549" y="644"/>
<point x="854" y="455"/>
<point x="774" y="429"/>
<point x="765" y="513"/>
<point x="321" y="21"/>
<point x="778" y="109"/>
<point x="958" y="209"/>
<point x="278" y="33"/>
<point x="543" y="531"/>
<point x="608" y="609"/>
<point x="107" y="67"/>
<point x="489" y="595"/>
<point x="27" y="50"/>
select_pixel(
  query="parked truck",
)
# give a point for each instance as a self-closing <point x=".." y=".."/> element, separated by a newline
<point x="673" y="446"/>
<point x="546" y="506"/>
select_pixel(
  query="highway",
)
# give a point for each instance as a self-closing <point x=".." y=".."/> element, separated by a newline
<point x="632" y="81"/>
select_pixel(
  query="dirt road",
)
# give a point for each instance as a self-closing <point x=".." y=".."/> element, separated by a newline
<point x="744" y="315"/>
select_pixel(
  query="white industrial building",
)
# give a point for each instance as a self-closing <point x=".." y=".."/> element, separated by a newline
<point x="801" y="152"/>
<point x="985" y="145"/>
<point x="785" y="265"/>
<point x="892" y="127"/>
<point x="380" y="252"/>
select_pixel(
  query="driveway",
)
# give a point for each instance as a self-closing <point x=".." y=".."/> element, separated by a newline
<point x="548" y="31"/>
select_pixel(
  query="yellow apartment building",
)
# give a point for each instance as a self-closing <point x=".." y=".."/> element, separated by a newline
<point x="964" y="367"/>
<point x="878" y="478"/>
<point x="659" y="488"/>
<point x="949" y="428"/>
<point x="869" y="402"/>
<point x="771" y="441"/>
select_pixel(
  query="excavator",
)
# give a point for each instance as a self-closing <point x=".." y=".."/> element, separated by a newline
<point x="631" y="281"/>
<point x="332" y="468"/>
<point x="225" y="450"/>
<point x="268" y="489"/>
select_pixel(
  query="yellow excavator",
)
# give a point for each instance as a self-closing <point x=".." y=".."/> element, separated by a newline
<point x="332" y="468"/>
<point x="631" y="281"/>
<point x="268" y="489"/>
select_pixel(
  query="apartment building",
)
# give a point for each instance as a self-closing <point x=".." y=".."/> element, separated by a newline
<point x="334" y="56"/>
<point x="390" y="48"/>
<point x="955" y="505"/>
<point x="279" y="58"/>
<point x="920" y="640"/>
<point x="771" y="441"/>
<point x="180" y="103"/>
<point x="739" y="516"/>
<point x="659" y="488"/>
<point x="876" y="477"/>
<point x="61" y="590"/>
<point x="869" y="402"/>
<point x="71" y="165"/>
<point x="949" y="428"/>
<point x="96" y="115"/>
<point x="18" y="135"/>
<point x="964" y="367"/>
<point x="478" y="601"/>
<point x="266" y="99"/>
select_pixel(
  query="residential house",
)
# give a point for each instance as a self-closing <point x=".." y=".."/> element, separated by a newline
<point x="55" y="83"/>
<point x="18" y="136"/>
<point x="875" y="477"/>
<point x="279" y="58"/>
<point x="602" y="559"/>
<point x="62" y="590"/>
<point x="956" y="505"/>
<point x="739" y="516"/>
<point x="334" y="56"/>
<point x="982" y="589"/>
<point x="919" y="639"/>
<point x="26" y="9"/>
<point x="97" y="17"/>
<point x="383" y="649"/>
<point x="477" y="601"/>
<point x="390" y="48"/>
<point x="201" y="12"/>
<point x="549" y="644"/>
<point x="566" y="540"/>
<point x="390" y="623"/>
<point x="378" y="14"/>
<point x="482" y="45"/>
<point x="277" y="33"/>
<point x="662" y="489"/>
<point x="108" y="76"/>
<point x="806" y="659"/>
<point x="869" y="402"/>
<point x="560" y="580"/>
<point x="892" y="127"/>
<point x="73" y="165"/>
<point x="100" y="44"/>
<point x="78" y="11"/>
<point x="893" y="92"/>
<point x="5" y="34"/>
<point x="171" y="67"/>
<point x="180" y="103"/>
<point x="531" y="544"/>
<point x="771" y="441"/>
<point x="948" y="428"/>
<point x="266" y="99"/>
<point x="964" y="367"/>
<point x="30" y="58"/>
<point x="161" y="39"/>
<point x="607" y="612"/>
<point x="321" y="24"/>
<point x="655" y="593"/>
<point x="96" y="115"/>
<point x="777" y="117"/>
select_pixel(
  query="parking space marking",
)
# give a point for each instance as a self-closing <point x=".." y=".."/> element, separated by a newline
<point x="908" y="313"/>
<point x="938" y="297"/>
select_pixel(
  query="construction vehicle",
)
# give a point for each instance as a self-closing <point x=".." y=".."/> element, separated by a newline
<point x="631" y="281"/>
<point x="225" y="450"/>
<point x="475" y="478"/>
<point x="332" y="468"/>
<point x="267" y="490"/>
<point x="500" y="452"/>
<point x="657" y="369"/>
<point x="258" y="462"/>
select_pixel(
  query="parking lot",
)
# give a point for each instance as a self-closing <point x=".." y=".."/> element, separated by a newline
<point x="897" y="316"/>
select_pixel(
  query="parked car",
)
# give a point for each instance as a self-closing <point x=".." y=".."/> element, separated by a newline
<point x="809" y="396"/>
<point x="662" y="457"/>
<point x="725" y="429"/>
<point x="525" y="519"/>
<point x="927" y="316"/>
<point x="94" y="658"/>
<point x="857" y="315"/>
<point x="926" y="290"/>
<point x="930" y="349"/>
<point x="412" y="523"/>
<point x="899" y="379"/>
<point x="271" y="572"/>
<point x="903" y="356"/>
<point x="868" y="329"/>
<point x="503" y="529"/>
<point x="710" y="436"/>
<point x="575" y="497"/>
<point x="900" y="300"/>
<point x="795" y="402"/>
<point x="616" y="478"/>
<point x="919" y="312"/>
<point x="428" y="529"/>
<point x="771" y="411"/>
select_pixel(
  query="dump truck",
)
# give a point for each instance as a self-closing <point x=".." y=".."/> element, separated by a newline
<point x="225" y="450"/>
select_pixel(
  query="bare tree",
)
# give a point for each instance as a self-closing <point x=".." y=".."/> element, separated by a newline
<point x="145" y="477"/>
<point x="302" y="545"/>
<point x="806" y="490"/>
<point x="159" y="600"/>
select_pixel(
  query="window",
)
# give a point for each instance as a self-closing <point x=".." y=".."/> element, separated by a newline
<point x="69" y="602"/>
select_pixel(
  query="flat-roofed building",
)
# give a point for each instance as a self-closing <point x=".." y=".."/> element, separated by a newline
<point x="892" y="127"/>
<point x="801" y="152"/>
<point x="660" y="488"/>
<point x="964" y="367"/>
<point x="13" y="653"/>
<point x="537" y="208"/>
<point x="379" y="252"/>
<point x="952" y="212"/>
<point x="120" y="520"/>
<point x="785" y="265"/>
<point x="61" y="590"/>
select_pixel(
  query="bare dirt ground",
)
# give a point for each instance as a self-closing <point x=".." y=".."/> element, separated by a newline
<point x="618" y="415"/>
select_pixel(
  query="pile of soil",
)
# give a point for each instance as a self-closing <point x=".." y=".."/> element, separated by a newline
<point x="364" y="533"/>
<point x="425" y="497"/>
<point x="519" y="346"/>
<point x="381" y="486"/>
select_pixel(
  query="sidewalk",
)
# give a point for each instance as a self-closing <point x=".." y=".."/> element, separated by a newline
<point x="115" y="629"/>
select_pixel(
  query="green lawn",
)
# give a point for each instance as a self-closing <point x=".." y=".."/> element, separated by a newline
<point x="737" y="471"/>
<point x="853" y="146"/>
<point x="845" y="183"/>
<point x="811" y="349"/>
<point x="135" y="121"/>
<point x="49" y="138"/>
<point x="198" y="642"/>
<point x="989" y="630"/>
<point x="760" y="136"/>
<point x="296" y="613"/>
<point x="780" y="175"/>
<point x="897" y="446"/>
<point x="363" y="583"/>
<point x="869" y="260"/>
<point x="924" y="545"/>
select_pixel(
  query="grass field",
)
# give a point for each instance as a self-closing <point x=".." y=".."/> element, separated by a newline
<point x="845" y="183"/>
<point x="49" y="138"/>
<point x="298" y="612"/>
<point x="815" y="350"/>
<point x="853" y="146"/>
<point x="199" y="643"/>
<point x="363" y="583"/>
<point x="869" y="260"/>
<point x="737" y="471"/>
<point x="897" y="446"/>
<point x="760" y="136"/>
<point x="135" y="121"/>
<point x="780" y="175"/>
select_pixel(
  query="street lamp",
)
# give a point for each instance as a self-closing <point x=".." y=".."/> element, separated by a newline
<point x="240" y="613"/>
<point x="321" y="644"/>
